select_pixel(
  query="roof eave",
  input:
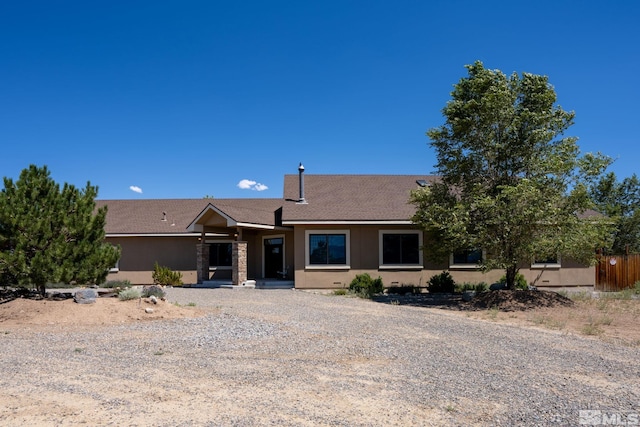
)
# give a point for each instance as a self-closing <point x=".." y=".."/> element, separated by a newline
<point x="346" y="222"/>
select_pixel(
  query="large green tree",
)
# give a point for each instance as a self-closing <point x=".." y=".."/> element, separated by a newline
<point x="620" y="201"/>
<point x="51" y="235"/>
<point x="511" y="183"/>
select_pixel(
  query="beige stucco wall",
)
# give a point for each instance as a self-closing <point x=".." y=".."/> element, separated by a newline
<point x="139" y="255"/>
<point x="179" y="253"/>
<point x="364" y="258"/>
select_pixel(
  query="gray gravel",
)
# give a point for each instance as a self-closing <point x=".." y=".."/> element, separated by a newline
<point x="282" y="357"/>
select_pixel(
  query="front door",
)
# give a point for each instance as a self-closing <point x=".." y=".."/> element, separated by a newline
<point x="274" y="258"/>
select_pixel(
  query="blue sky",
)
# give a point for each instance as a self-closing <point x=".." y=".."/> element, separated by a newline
<point x="182" y="99"/>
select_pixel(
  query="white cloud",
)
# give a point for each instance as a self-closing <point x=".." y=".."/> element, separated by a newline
<point x="135" y="189"/>
<point x="247" y="184"/>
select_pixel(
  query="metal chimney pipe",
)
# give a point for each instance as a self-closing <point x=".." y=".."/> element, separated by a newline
<point x="301" y="180"/>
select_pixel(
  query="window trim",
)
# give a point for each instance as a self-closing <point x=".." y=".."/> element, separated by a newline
<point x="309" y="266"/>
<point x="465" y="266"/>
<point x="219" y="267"/>
<point x="381" y="266"/>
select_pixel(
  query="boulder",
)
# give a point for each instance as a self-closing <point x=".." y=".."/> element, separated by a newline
<point x="85" y="296"/>
<point x="468" y="295"/>
<point x="154" y="290"/>
<point x="148" y="310"/>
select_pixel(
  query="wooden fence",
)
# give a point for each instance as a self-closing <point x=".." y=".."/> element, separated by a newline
<point x="617" y="272"/>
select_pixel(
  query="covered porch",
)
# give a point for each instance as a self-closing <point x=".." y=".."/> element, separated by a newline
<point x="234" y="250"/>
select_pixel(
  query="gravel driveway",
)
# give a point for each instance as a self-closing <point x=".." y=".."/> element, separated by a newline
<point x="283" y="357"/>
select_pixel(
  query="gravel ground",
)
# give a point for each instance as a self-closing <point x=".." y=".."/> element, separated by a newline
<point x="283" y="357"/>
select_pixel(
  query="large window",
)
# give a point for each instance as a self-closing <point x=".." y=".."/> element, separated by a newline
<point x="468" y="258"/>
<point x="400" y="248"/>
<point x="220" y="254"/>
<point x="327" y="249"/>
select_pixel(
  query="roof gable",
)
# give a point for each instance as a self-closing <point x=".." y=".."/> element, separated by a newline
<point x="173" y="216"/>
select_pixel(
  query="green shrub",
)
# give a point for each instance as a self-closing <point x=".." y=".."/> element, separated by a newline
<point x="481" y="287"/>
<point x="364" y="286"/>
<point x="403" y="289"/>
<point x="467" y="286"/>
<point x="165" y="276"/>
<point x="117" y="284"/>
<point x="340" y="292"/>
<point x="441" y="283"/>
<point x="128" y="294"/>
<point x="636" y="288"/>
<point x="520" y="282"/>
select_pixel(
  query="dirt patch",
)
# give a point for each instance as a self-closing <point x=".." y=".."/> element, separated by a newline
<point x="21" y="312"/>
<point x="602" y="316"/>
<point x="516" y="300"/>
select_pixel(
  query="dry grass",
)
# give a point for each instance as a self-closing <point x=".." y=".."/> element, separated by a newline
<point x="609" y="317"/>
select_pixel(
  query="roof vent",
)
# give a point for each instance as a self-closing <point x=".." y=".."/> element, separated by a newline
<point x="422" y="182"/>
<point x="164" y="216"/>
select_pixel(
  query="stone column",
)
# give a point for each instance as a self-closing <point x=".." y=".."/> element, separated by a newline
<point x="239" y="262"/>
<point x="202" y="256"/>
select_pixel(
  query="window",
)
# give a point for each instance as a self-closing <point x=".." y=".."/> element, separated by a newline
<point x="468" y="258"/>
<point x="400" y="248"/>
<point x="220" y="254"/>
<point x="327" y="249"/>
<point x="546" y="262"/>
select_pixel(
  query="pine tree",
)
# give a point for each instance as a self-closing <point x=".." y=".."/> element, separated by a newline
<point x="49" y="235"/>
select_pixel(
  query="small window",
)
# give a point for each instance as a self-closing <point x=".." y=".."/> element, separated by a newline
<point x="400" y="248"/>
<point x="546" y="262"/>
<point x="220" y="254"/>
<point x="469" y="258"/>
<point x="327" y="249"/>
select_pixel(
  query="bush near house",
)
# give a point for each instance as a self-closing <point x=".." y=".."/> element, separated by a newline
<point x="165" y="276"/>
<point x="117" y="284"/>
<point x="441" y="283"/>
<point x="364" y="286"/>
<point x="519" y="283"/>
<point x="403" y="290"/>
<point x="477" y="287"/>
<point x="128" y="294"/>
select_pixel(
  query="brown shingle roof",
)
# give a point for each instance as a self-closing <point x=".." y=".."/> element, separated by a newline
<point x="145" y="216"/>
<point x="350" y="198"/>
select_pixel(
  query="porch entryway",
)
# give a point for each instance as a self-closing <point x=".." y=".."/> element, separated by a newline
<point x="276" y="273"/>
<point x="274" y="267"/>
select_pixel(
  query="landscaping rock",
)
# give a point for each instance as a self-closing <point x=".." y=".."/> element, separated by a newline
<point x="153" y="299"/>
<point x="85" y="296"/>
<point x="468" y="295"/>
<point x="148" y="310"/>
<point x="154" y="290"/>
